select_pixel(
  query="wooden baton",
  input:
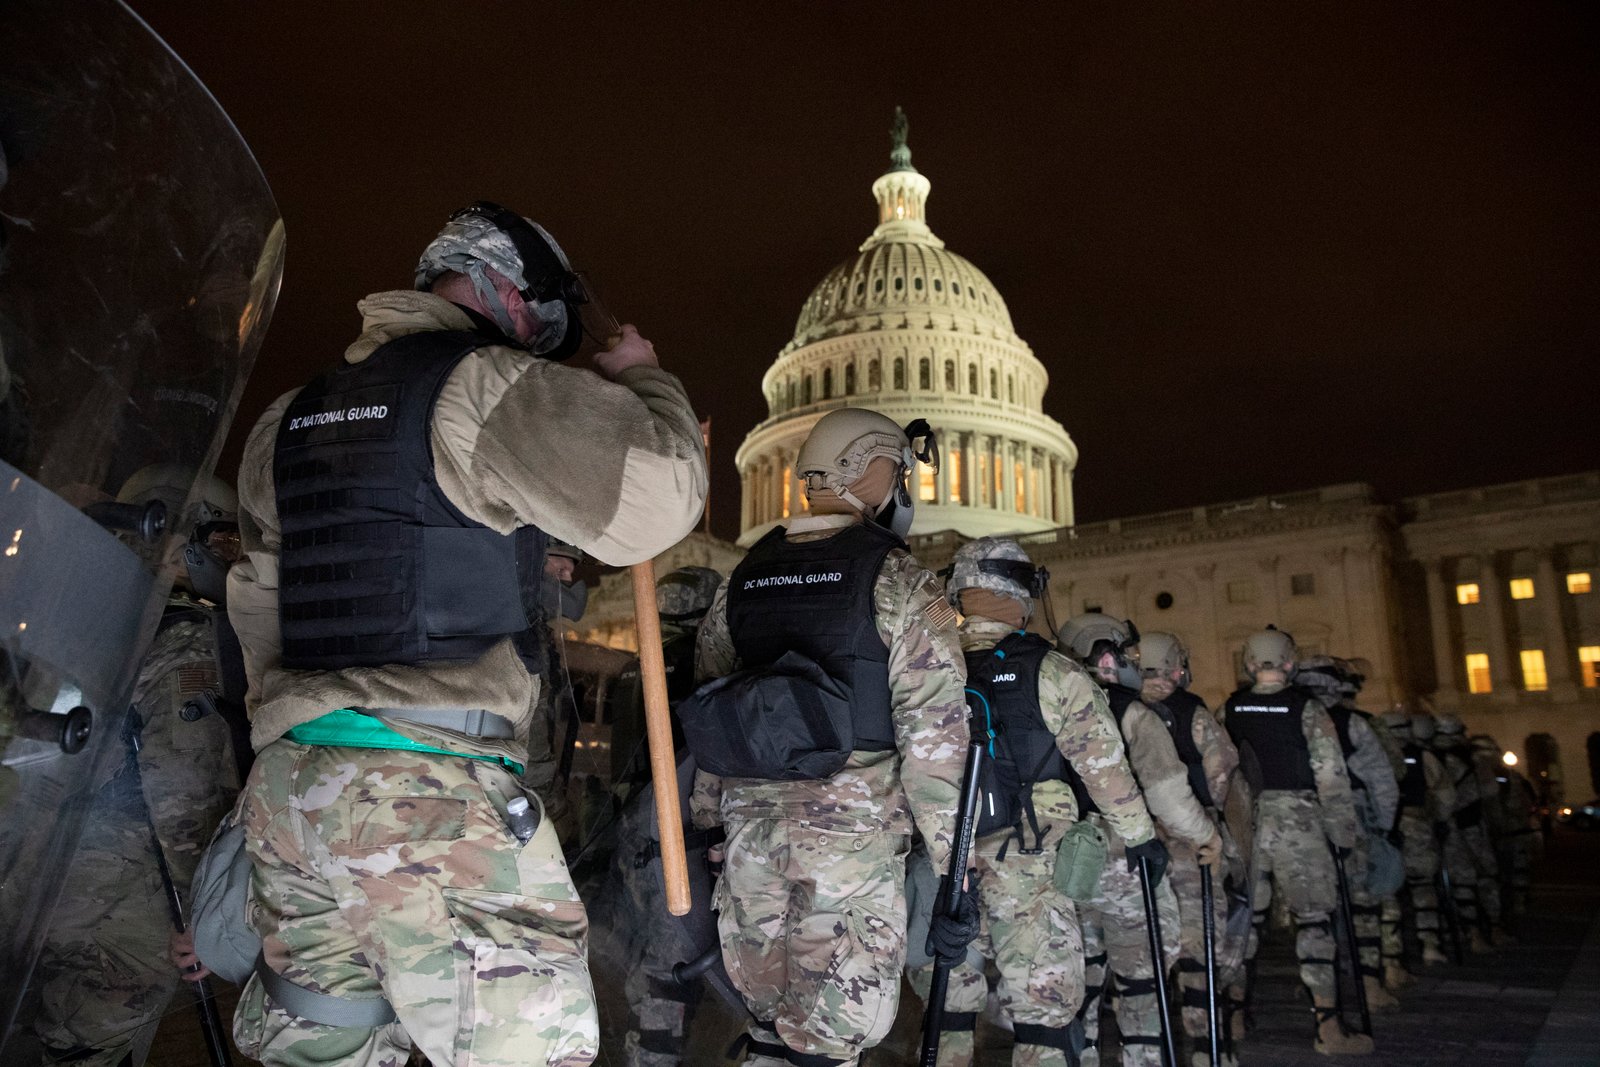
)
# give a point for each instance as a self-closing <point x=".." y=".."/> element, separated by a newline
<point x="658" y="729"/>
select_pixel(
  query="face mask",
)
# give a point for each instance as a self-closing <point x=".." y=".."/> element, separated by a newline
<point x="898" y="513"/>
<point x="564" y="600"/>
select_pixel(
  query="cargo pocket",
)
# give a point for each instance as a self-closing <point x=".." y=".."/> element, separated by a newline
<point x="523" y="984"/>
<point x="857" y="997"/>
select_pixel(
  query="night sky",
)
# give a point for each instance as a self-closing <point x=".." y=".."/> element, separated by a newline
<point x="1259" y="247"/>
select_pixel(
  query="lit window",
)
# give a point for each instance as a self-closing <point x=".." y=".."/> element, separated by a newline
<point x="1589" y="660"/>
<point x="1579" y="583"/>
<point x="1467" y="593"/>
<point x="1478" y="672"/>
<point x="1522" y="589"/>
<point x="926" y="489"/>
<point x="1534" y="680"/>
<point x="1302" y="584"/>
<point x="788" y="490"/>
<point x="1242" y="592"/>
<point x="952" y="463"/>
<point x="983" y="477"/>
<point x="1020" y="481"/>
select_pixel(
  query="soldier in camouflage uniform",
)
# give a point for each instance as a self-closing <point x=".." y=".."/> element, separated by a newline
<point x="1474" y="873"/>
<point x="659" y="1008"/>
<point x="395" y="512"/>
<point x="1304" y="808"/>
<point x="1426" y="797"/>
<point x="105" y="977"/>
<point x="1029" y="926"/>
<point x="1115" y="934"/>
<point x="812" y="902"/>
<point x="1210" y="759"/>
<point x="1376" y="794"/>
<point x="1508" y="812"/>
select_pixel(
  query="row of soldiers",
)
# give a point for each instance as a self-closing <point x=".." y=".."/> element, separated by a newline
<point x="1105" y="761"/>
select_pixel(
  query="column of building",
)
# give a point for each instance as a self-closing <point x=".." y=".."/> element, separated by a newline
<point x="1503" y="680"/>
<point x="1557" y="652"/>
<point x="1444" y="658"/>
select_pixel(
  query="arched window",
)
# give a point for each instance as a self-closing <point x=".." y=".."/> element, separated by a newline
<point x="972" y="379"/>
<point x="791" y="392"/>
<point x="899" y="373"/>
<point x="949" y="375"/>
<point x="1011" y="389"/>
<point x="850" y="379"/>
<point x="994" y="385"/>
<point x="925" y="375"/>
<point x="805" y="390"/>
<point x="874" y="377"/>
<point x="827" y="383"/>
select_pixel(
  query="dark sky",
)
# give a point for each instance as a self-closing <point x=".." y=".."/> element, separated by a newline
<point x="1259" y="247"/>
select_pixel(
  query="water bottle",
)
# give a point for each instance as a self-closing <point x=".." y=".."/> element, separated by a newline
<point x="522" y="819"/>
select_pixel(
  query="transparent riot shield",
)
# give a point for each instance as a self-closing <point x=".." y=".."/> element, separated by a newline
<point x="140" y="263"/>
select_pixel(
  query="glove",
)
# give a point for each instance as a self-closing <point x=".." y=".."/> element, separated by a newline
<point x="949" y="935"/>
<point x="1210" y="853"/>
<point x="714" y="862"/>
<point x="1343" y="851"/>
<point x="1154" y="853"/>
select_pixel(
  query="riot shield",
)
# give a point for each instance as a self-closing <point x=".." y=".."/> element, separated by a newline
<point x="139" y="266"/>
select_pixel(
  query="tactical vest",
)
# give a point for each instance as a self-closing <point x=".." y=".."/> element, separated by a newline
<point x="816" y="598"/>
<point x="377" y="565"/>
<point x="1178" y="712"/>
<point x="1271" y="724"/>
<point x="1003" y="695"/>
<point x="1414" y="782"/>
<point x="677" y="653"/>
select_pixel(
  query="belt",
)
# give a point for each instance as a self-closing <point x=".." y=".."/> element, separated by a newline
<point x="475" y="722"/>
<point x="365" y="728"/>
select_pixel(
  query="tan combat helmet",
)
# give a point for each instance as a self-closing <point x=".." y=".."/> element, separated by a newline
<point x="1271" y="649"/>
<point x="843" y="444"/>
<point x="684" y="596"/>
<point x="1160" y="652"/>
<point x="170" y="483"/>
<point x="1089" y="636"/>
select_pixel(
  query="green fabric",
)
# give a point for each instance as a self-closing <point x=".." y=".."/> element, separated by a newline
<point x="1080" y="858"/>
<point x="347" y="728"/>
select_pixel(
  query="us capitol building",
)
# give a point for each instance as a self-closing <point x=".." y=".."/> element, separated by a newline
<point x="1479" y="601"/>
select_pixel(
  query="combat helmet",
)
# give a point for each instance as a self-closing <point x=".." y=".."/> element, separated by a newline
<point x="1090" y="636"/>
<point x="684" y="596"/>
<point x="1270" y="649"/>
<point x="845" y="441"/>
<point x="1160" y="652"/>
<point x="997" y="564"/>
<point x="208" y="531"/>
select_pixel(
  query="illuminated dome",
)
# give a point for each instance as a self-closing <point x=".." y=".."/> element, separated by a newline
<point x="911" y="329"/>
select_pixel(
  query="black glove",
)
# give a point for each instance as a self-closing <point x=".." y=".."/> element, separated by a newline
<point x="1396" y="838"/>
<point x="1154" y="853"/>
<point x="1342" y="851"/>
<point x="949" y="935"/>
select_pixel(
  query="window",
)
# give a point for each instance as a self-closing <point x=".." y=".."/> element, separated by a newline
<point x="994" y="385"/>
<point x="1019" y="482"/>
<point x="899" y="283"/>
<point x="972" y="379"/>
<point x="927" y="491"/>
<point x="916" y="283"/>
<point x="1090" y="607"/>
<point x="791" y="392"/>
<point x="1466" y="592"/>
<point x="874" y="378"/>
<point x="952" y="463"/>
<point x="925" y="375"/>
<point x="805" y="390"/>
<point x="1522" y="589"/>
<point x="1589" y="660"/>
<point x="1242" y="592"/>
<point x="849" y="379"/>
<point x="899" y="374"/>
<point x="1302" y="584"/>
<point x="827" y="383"/>
<point x="1534" y="679"/>
<point x="788" y="490"/>
<point x="1478" y="672"/>
<point x="1011" y="390"/>
<point x="949" y="375"/>
<point x="983" y="477"/>
<point x="1579" y="583"/>
<point x="1163" y="601"/>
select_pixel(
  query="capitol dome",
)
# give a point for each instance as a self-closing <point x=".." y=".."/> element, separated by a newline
<point x="911" y="329"/>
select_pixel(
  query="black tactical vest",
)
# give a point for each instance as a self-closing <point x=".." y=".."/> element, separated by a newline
<point x="1414" y="782"/>
<point x="1003" y="694"/>
<point x="1271" y="724"/>
<point x="1178" y="712"/>
<point x="815" y="598"/>
<point x="377" y="565"/>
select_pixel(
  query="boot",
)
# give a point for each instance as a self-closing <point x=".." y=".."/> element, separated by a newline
<point x="1396" y="977"/>
<point x="1378" y="998"/>
<point x="1332" y="1039"/>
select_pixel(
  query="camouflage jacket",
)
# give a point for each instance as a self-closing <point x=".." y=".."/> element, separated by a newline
<point x="919" y="783"/>
<point x="1370" y="763"/>
<point x="1164" y="777"/>
<point x="1327" y="769"/>
<point x="1075" y="710"/>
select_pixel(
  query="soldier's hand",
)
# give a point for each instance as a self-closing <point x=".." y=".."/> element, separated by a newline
<point x="630" y="350"/>
<point x="1154" y="853"/>
<point x="181" y="949"/>
<point x="1210" y="853"/>
<point x="950" y="934"/>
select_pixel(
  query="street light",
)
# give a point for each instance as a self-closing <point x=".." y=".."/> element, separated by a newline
<point x="1509" y="759"/>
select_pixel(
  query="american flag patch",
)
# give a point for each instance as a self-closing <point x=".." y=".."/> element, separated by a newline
<point x="940" y="614"/>
<point x="192" y="680"/>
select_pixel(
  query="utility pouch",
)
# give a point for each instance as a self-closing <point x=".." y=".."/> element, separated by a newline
<point x="787" y="722"/>
<point x="223" y="938"/>
<point x="1386" y="866"/>
<point x="1080" y="859"/>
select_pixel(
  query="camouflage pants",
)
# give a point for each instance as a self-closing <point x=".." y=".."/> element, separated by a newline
<point x="1421" y="851"/>
<point x="1116" y="942"/>
<point x="1030" y="931"/>
<point x="1292" y="858"/>
<point x="1184" y="874"/>
<point x="380" y="871"/>
<point x="104" y="978"/>
<point x="813" y="927"/>
<point x="1474" y="875"/>
<point x="1366" y="911"/>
